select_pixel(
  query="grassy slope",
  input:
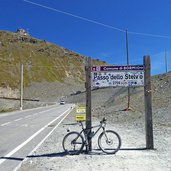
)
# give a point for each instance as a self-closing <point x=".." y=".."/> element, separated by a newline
<point x="42" y="61"/>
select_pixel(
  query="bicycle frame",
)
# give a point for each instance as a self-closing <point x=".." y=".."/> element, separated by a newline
<point x="87" y="131"/>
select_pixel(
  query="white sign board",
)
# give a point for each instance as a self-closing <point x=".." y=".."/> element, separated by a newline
<point x="117" y="78"/>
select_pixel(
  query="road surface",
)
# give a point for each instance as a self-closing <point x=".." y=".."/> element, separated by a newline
<point x="23" y="131"/>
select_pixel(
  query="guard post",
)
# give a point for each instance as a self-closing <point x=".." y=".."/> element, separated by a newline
<point x="148" y="103"/>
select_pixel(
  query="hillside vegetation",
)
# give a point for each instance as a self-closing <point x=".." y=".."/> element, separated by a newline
<point x="42" y="61"/>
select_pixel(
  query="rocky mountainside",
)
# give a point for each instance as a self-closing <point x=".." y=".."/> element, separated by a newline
<point x="111" y="102"/>
<point x="50" y="71"/>
<point x="43" y="62"/>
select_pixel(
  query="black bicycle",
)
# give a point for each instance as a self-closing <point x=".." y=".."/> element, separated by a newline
<point x="108" y="141"/>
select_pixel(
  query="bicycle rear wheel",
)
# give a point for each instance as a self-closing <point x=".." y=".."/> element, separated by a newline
<point x="109" y="142"/>
<point x="73" y="143"/>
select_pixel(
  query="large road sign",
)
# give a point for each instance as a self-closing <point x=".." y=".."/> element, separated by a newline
<point x="114" y="76"/>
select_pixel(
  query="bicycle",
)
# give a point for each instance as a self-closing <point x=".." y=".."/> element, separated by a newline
<point x="108" y="141"/>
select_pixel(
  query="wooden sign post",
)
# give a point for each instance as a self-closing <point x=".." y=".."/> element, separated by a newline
<point x="135" y="75"/>
<point x="148" y="103"/>
<point x="88" y="102"/>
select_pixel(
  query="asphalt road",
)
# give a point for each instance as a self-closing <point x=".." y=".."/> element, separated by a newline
<point x="22" y="132"/>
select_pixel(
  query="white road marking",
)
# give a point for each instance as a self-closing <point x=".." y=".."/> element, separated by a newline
<point x="30" y="138"/>
<point x="18" y="119"/>
<point x="28" y="116"/>
<point x="49" y="133"/>
<point x="24" y="125"/>
<point x="42" y="140"/>
<point x="5" y="123"/>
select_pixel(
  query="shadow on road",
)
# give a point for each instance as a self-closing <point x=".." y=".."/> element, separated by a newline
<point x="61" y="154"/>
<point x="93" y="152"/>
<point x="133" y="149"/>
<point x="75" y="123"/>
<point x="136" y="149"/>
<point x="12" y="158"/>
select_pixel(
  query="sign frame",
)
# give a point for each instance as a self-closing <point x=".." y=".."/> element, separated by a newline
<point x="117" y="76"/>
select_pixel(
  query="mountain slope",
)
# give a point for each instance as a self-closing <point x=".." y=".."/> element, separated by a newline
<point x="42" y="61"/>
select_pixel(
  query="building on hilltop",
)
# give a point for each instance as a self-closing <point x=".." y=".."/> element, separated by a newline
<point x="22" y="32"/>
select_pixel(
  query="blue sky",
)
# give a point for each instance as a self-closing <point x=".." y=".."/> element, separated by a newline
<point x="96" y="28"/>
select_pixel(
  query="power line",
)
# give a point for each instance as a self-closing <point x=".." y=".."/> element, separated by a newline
<point x="96" y="22"/>
<point x="150" y="35"/>
<point x="76" y="16"/>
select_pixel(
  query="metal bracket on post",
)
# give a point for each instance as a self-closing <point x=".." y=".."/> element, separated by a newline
<point x="148" y="103"/>
<point x="88" y="102"/>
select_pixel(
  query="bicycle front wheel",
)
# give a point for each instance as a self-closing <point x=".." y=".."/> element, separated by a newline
<point x="109" y="142"/>
<point x="73" y="143"/>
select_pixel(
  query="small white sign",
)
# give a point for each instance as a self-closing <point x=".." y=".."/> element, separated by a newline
<point x="117" y="79"/>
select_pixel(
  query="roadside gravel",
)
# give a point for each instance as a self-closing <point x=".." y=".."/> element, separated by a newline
<point x="131" y="157"/>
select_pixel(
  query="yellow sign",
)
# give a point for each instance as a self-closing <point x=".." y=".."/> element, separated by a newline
<point x="80" y="114"/>
<point x="81" y="110"/>
<point x="80" y="117"/>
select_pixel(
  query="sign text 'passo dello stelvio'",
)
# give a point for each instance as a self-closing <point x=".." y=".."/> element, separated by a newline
<point x="117" y="77"/>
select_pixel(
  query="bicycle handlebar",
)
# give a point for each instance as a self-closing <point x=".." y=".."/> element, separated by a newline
<point x="103" y="120"/>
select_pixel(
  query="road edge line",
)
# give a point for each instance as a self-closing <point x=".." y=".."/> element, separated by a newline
<point x="30" y="138"/>
<point x="41" y="142"/>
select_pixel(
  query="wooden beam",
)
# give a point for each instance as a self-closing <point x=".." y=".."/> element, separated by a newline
<point x="88" y="102"/>
<point x="148" y="103"/>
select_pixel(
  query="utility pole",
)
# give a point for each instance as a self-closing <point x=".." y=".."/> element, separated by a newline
<point x="21" y="86"/>
<point x="127" y="57"/>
